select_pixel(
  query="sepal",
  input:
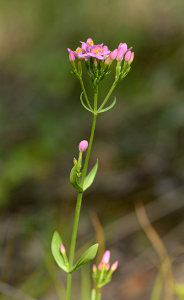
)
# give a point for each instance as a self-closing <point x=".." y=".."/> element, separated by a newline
<point x="73" y="179"/>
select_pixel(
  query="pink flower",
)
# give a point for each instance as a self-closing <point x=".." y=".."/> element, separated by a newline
<point x="123" y="46"/>
<point x="114" y="53"/>
<point x="94" y="268"/>
<point x="106" y="257"/>
<point x="120" y="54"/>
<point x="99" y="51"/>
<point x="62" y="248"/>
<point x="83" y="145"/>
<point x="108" y="60"/>
<point x="114" y="266"/>
<point x="128" y="55"/>
<point x="79" y="53"/>
<point x="131" y="58"/>
<point x="107" y="267"/>
<point x="100" y="266"/>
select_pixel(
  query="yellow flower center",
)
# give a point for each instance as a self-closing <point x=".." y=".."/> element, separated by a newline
<point x="79" y="50"/>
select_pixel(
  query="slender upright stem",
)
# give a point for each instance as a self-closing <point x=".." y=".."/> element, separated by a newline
<point x="79" y="201"/>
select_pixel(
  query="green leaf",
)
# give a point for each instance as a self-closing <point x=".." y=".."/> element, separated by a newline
<point x="73" y="179"/>
<point x="108" y="107"/>
<point x="82" y="102"/>
<point x="87" y="256"/>
<point x="90" y="177"/>
<point x="55" y="248"/>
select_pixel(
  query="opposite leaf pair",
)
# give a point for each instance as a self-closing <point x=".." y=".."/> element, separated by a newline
<point x="61" y="258"/>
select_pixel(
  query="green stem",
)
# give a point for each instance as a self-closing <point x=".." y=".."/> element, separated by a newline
<point x="108" y="95"/>
<point x="84" y="91"/>
<point x="79" y="201"/>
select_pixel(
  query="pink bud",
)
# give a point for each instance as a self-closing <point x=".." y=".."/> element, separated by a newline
<point x="62" y="248"/>
<point x="131" y="58"/>
<point x="115" y="266"/>
<point x="120" y="54"/>
<point x="107" y="267"/>
<point x="74" y="161"/>
<point x="83" y="145"/>
<point x="123" y="46"/>
<point x="128" y="55"/>
<point x="94" y="268"/>
<point x="106" y="257"/>
<point x="95" y="62"/>
<point x="114" y="53"/>
<point x="100" y="266"/>
<point x="108" y="60"/>
<point x="71" y="56"/>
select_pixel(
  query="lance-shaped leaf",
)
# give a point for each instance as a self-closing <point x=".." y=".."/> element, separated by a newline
<point x="73" y="179"/>
<point x="90" y="177"/>
<point x="87" y="256"/>
<point x="55" y="248"/>
<point x="108" y="107"/>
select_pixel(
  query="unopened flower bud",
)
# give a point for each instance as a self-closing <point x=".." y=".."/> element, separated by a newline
<point x="74" y="161"/>
<point x="106" y="257"/>
<point x="114" y="53"/>
<point x="100" y="266"/>
<point x="71" y="56"/>
<point x="95" y="62"/>
<point x="120" y="54"/>
<point x="107" y="267"/>
<point x="62" y="249"/>
<point x="83" y="145"/>
<point x="128" y="55"/>
<point x="114" y="266"/>
<point x="108" y="60"/>
<point x="131" y="58"/>
<point x="123" y="46"/>
<point x="94" y="268"/>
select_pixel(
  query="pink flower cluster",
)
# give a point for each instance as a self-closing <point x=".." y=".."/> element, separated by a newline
<point x="105" y="263"/>
<point x="101" y="52"/>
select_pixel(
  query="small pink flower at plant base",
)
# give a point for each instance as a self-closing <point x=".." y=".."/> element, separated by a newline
<point x="94" y="268"/>
<point x="128" y="55"/>
<point x="114" y="53"/>
<point x="83" y="145"/>
<point x="114" y="266"/>
<point x="62" y="248"/>
<point x="106" y="257"/>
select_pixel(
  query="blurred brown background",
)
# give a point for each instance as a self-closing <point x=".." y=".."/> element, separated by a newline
<point x="139" y="143"/>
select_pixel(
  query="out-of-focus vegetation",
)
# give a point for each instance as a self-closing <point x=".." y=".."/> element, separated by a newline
<point x="139" y="143"/>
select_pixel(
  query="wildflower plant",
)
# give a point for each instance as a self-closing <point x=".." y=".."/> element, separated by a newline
<point x="98" y="60"/>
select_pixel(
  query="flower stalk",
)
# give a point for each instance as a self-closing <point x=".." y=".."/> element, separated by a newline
<point x="98" y="59"/>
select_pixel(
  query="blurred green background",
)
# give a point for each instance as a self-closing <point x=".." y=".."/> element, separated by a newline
<point x="139" y="143"/>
